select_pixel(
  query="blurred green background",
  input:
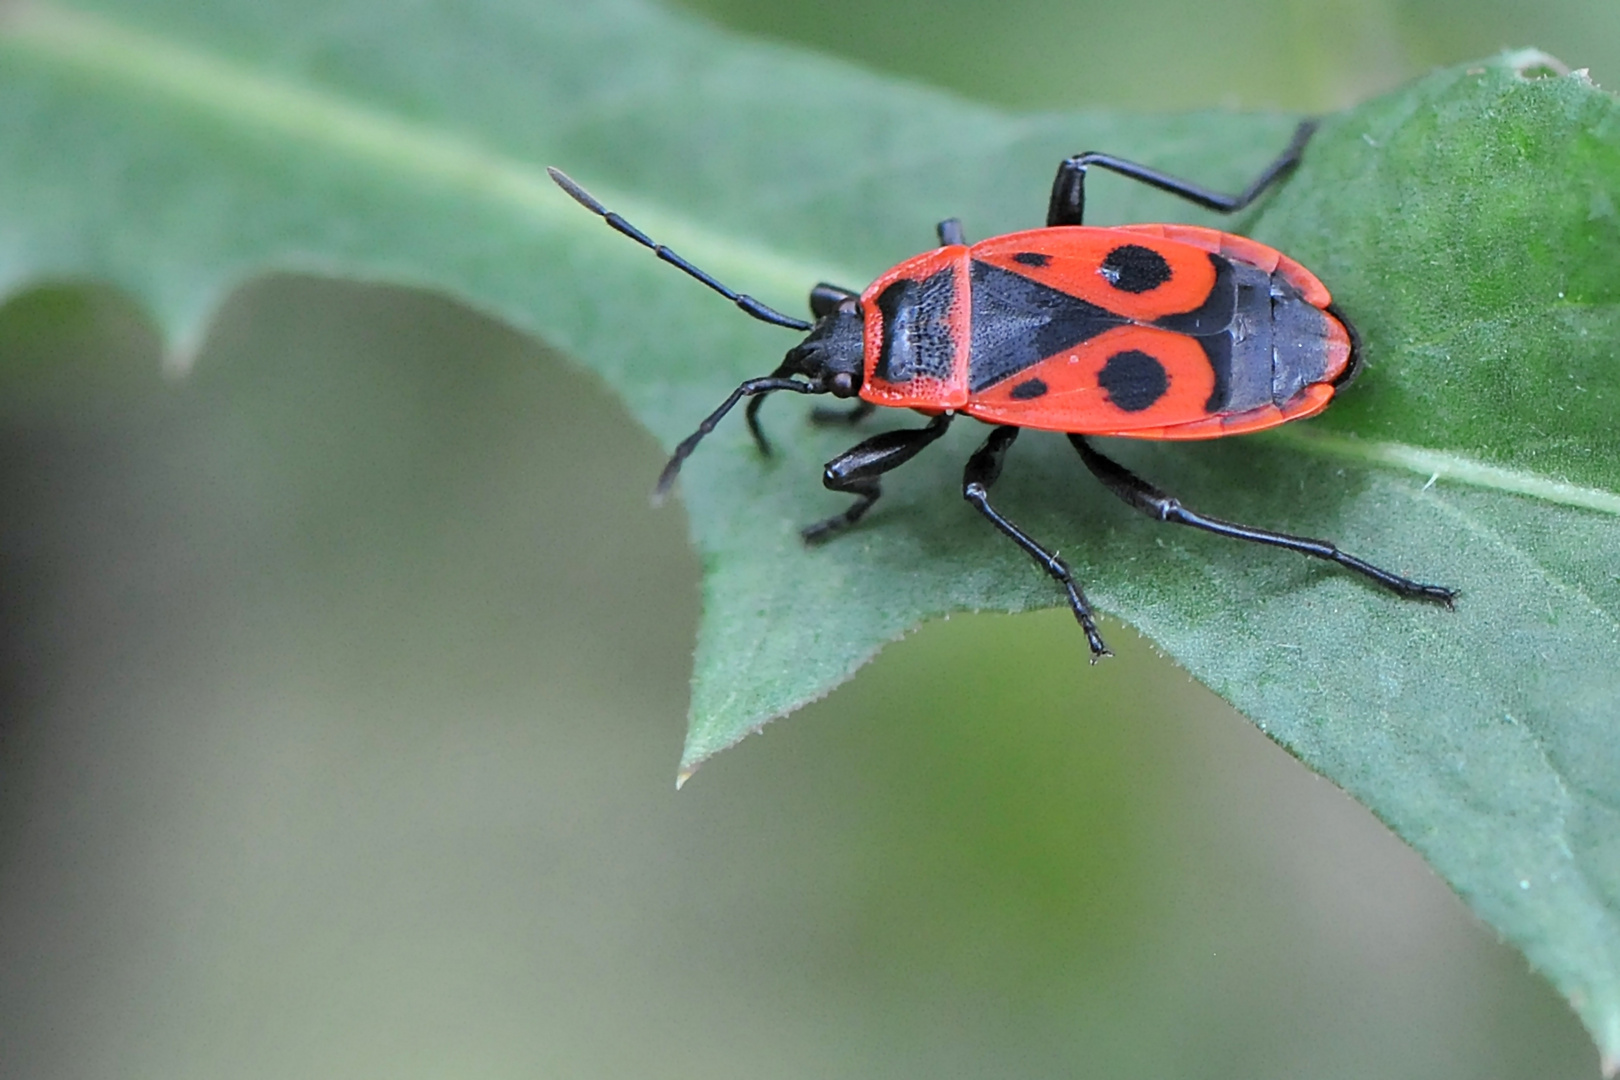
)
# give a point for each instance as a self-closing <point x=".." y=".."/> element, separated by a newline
<point x="343" y="684"/>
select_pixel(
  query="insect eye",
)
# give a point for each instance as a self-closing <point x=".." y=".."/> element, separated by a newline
<point x="843" y="384"/>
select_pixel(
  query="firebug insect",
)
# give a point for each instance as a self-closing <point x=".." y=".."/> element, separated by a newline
<point x="1140" y="331"/>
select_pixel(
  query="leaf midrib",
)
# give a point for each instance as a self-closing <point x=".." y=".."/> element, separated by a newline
<point x="212" y="85"/>
<point x="1451" y="467"/>
<point x="209" y="84"/>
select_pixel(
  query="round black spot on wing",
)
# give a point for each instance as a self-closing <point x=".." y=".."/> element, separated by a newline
<point x="1029" y="388"/>
<point x="1133" y="268"/>
<point x="1032" y="258"/>
<point x="1133" y="380"/>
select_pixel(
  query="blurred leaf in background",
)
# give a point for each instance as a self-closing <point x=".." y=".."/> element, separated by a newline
<point x="320" y="757"/>
<point x="317" y="723"/>
<point x="1299" y="55"/>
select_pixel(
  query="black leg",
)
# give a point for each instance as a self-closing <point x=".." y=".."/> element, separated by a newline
<point x="842" y="417"/>
<point x="751" y="414"/>
<point x="1155" y="503"/>
<point x="950" y="232"/>
<point x="1068" y="203"/>
<point x="825" y="298"/>
<point x="982" y="469"/>
<point x="856" y="471"/>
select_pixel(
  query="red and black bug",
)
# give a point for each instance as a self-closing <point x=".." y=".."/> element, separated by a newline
<point x="1140" y="331"/>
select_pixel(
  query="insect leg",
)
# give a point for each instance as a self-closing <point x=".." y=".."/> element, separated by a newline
<point x="1155" y="503"/>
<point x="856" y="471"/>
<point x="825" y="298"/>
<point x="1069" y="189"/>
<point x="846" y="417"/>
<point x="950" y="232"/>
<point x="982" y="469"/>
<point x="751" y="413"/>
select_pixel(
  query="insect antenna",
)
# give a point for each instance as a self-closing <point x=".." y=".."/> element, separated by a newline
<point x="747" y="303"/>
<point x="750" y="388"/>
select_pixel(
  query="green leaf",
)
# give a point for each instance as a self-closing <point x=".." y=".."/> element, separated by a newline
<point x="1467" y="223"/>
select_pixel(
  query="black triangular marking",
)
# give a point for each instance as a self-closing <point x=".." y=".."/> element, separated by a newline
<point x="1017" y="323"/>
<point x="1214" y="315"/>
<point x="1218" y="350"/>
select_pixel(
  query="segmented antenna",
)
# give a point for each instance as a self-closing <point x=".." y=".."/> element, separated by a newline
<point x="751" y="388"/>
<point x="747" y="303"/>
